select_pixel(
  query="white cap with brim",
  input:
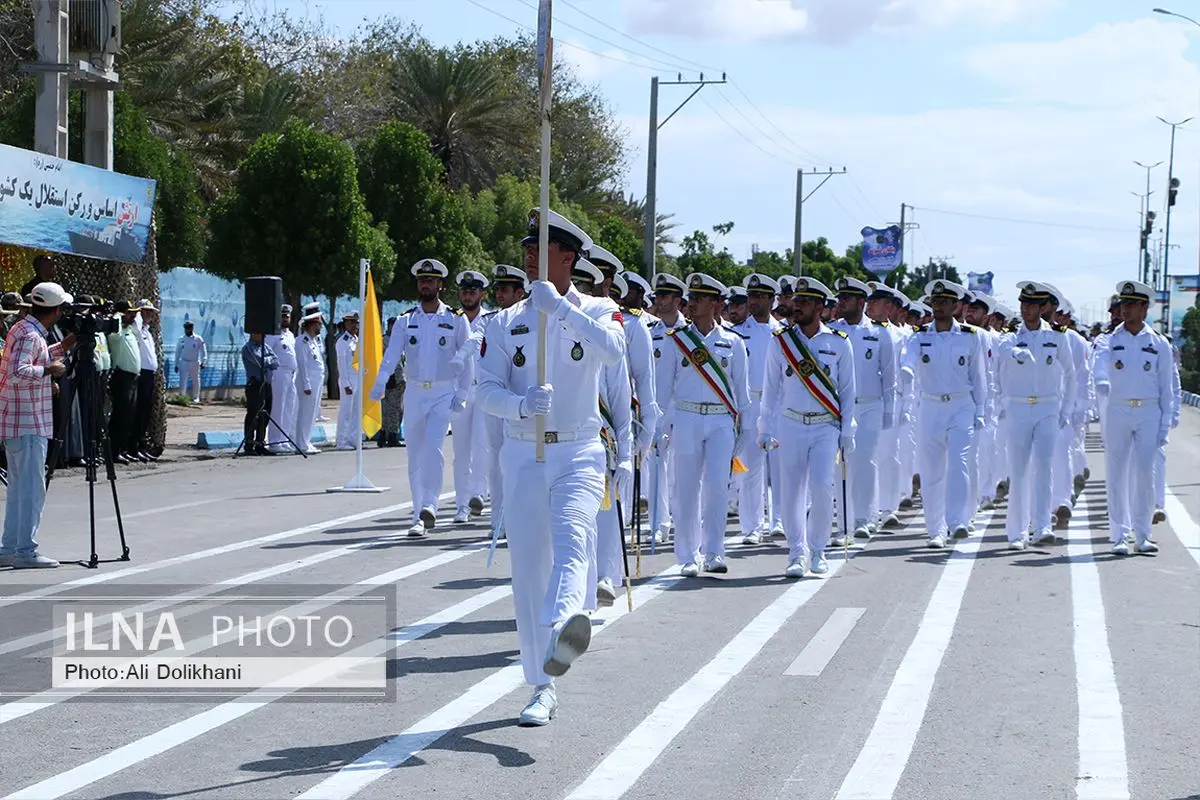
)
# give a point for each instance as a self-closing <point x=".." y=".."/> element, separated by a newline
<point x="666" y="282"/>
<point x="942" y="289"/>
<point x="49" y="295"/>
<point x="756" y="283"/>
<point x="1134" y="292"/>
<point x="587" y="270"/>
<point x="737" y="293"/>
<point x="811" y="288"/>
<point x="430" y="268"/>
<point x="562" y="230"/>
<point x="508" y="275"/>
<point x="852" y="286"/>
<point x="633" y="279"/>
<point x="470" y="279"/>
<point x="604" y="259"/>
<point x="705" y="285"/>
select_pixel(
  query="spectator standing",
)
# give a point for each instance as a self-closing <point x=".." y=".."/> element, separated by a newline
<point x="260" y="363"/>
<point x="190" y="355"/>
<point x="127" y="366"/>
<point x="26" y="422"/>
<point x="393" y="400"/>
<point x="144" y="410"/>
<point x="45" y="270"/>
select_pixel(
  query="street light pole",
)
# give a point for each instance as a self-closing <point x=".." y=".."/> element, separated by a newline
<point x="1173" y="14"/>
<point x="1171" y="188"/>
<point x="1144" y="249"/>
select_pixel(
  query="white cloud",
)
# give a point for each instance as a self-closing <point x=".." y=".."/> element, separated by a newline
<point x="826" y="20"/>
<point x="590" y="63"/>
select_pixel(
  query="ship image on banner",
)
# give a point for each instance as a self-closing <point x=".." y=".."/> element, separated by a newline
<point x="48" y="203"/>
<point x="882" y="249"/>
<point x="980" y="282"/>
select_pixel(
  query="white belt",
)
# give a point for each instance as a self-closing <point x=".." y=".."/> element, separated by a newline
<point x="701" y="408"/>
<point x="553" y="437"/>
<point x="1033" y="400"/>
<point x="1135" y="403"/>
<point x="755" y="394"/>
<point x="808" y="417"/>
<point x="427" y="384"/>
<point x="945" y="398"/>
<point x="867" y="399"/>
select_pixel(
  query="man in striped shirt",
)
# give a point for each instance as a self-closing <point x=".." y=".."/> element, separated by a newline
<point x="26" y="421"/>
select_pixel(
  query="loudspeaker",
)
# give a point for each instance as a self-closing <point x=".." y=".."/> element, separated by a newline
<point x="264" y="300"/>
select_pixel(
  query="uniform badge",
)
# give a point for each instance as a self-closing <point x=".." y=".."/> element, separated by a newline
<point x="518" y="358"/>
<point x="412" y="340"/>
<point x="1119" y="365"/>
<point x="686" y="361"/>
<point x="577" y="352"/>
<point x="725" y="363"/>
<point x="869" y="356"/>
<point x="925" y="358"/>
<point x="1146" y="366"/>
<point x="962" y="361"/>
<point x="790" y="373"/>
<point x="1049" y="360"/>
<point x="699" y="357"/>
<point x="826" y="368"/>
<point x="657" y="352"/>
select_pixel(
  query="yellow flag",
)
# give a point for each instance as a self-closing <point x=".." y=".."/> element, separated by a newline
<point x="370" y="347"/>
<point x="738" y="466"/>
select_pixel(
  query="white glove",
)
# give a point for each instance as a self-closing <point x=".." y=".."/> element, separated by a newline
<point x="624" y="480"/>
<point x="1021" y="355"/>
<point x="846" y="441"/>
<point x="906" y="418"/>
<point x="889" y="420"/>
<point x="458" y="364"/>
<point x="643" y="439"/>
<point x="1064" y="420"/>
<point x="663" y="439"/>
<point x="537" y="400"/>
<point x="376" y="393"/>
<point x="1174" y="422"/>
<point x="544" y="297"/>
<point x="458" y="402"/>
<point x="1103" y="389"/>
<point x="1163" y="438"/>
<point x="979" y="423"/>
<point x="767" y="442"/>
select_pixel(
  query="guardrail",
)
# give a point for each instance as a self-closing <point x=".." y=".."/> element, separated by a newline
<point x="1190" y="399"/>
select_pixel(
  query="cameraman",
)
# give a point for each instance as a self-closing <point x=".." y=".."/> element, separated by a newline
<point x="26" y="421"/>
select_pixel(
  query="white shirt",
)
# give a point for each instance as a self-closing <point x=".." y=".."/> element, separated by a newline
<point x="948" y="362"/>
<point x="346" y="347"/>
<point x="1049" y="368"/>
<point x="659" y="344"/>
<point x="875" y="360"/>
<point x="283" y="344"/>
<point x="428" y="343"/>
<point x="758" y="338"/>
<point x="585" y="336"/>
<point x="146" y="345"/>
<point x="784" y="389"/>
<point x="683" y="382"/>
<point x="1138" y="367"/>
<point x="190" y="348"/>
<point x="310" y="363"/>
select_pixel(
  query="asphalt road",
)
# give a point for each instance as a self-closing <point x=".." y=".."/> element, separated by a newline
<point x="906" y="673"/>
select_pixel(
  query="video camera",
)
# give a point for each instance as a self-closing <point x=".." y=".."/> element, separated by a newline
<point x="87" y="320"/>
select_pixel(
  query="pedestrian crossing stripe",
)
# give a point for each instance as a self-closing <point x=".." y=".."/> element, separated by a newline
<point x="819" y="385"/>
<point x="707" y="366"/>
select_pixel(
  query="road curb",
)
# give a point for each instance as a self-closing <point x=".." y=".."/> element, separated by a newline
<point x="228" y="440"/>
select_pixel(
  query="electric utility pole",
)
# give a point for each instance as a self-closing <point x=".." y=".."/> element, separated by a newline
<point x="801" y="199"/>
<point x="1147" y="223"/>
<point x="650" y="238"/>
<point x="1172" y="191"/>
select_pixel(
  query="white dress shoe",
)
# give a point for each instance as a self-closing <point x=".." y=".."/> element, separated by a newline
<point x="777" y="530"/>
<point x="475" y="505"/>
<point x="1147" y="547"/>
<point x="751" y="538"/>
<point x="417" y="530"/>
<point x="715" y="564"/>
<point x="1016" y="544"/>
<point x="1045" y="536"/>
<point x="689" y="570"/>
<point x="428" y="517"/>
<point x="892" y="520"/>
<point x="541" y="708"/>
<point x="462" y="516"/>
<point x="862" y="532"/>
<point x="606" y="593"/>
<point x="660" y="536"/>
<point x="796" y="568"/>
<point x="569" y="641"/>
<point x="819" y="565"/>
<point x="961" y="532"/>
<point x="1129" y="538"/>
<point x="35" y="561"/>
<point x="838" y="541"/>
<point x="1120" y="548"/>
<point x="937" y="542"/>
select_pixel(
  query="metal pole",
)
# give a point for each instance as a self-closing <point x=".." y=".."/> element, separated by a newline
<point x="1166" y="271"/>
<point x="903" y="208"/>
<point x="798" y="242"/>
<point x="650" y="243"/>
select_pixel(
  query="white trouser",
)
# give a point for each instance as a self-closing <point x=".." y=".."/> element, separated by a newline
<point x="1032" y="435"/>
<point x="283" y="407"/>
<point x="659" y="487"/>
<point x="1160" y="477"/>
<point x="753" y="483"/>
<point x="776" y="487"/>
<point x="807" y="454"/>
<point x="349" y="421"/>
<point x="702" y="445"/>
<point x="1130" y="442"/>
<point x="556" y="501"/>
<point x="1078" y="451"/>
<point x="493" y="428"/>
<point x="863" y="464"/>
<point x="608" y="546"/>
<point x="306" y="413"/>
<point x="1062" y="487"/>
<point x="890" y="470"/>
<point x="426" y="418"/>
<point x="992" y="464"/>
<point x="945" y="431"/>
<point x="470" y="455"/>
<point x="190" y="371"/>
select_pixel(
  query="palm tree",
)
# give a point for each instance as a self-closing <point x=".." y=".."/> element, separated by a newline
<point x="633" y="211"/>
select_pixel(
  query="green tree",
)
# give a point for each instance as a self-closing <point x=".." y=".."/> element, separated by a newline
<point x="615" y="235"/>
<point x="914" y="280"/>
<point x="1189" y="349"/>
<point x="295" y="211"/>
<point x="499" y="216"/>
<point x="401" y="182"/>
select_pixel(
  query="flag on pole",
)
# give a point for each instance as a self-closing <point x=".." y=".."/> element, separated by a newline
<point x="371" y="348"/>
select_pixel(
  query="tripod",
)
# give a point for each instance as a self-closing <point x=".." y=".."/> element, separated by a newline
<point x="96" y="444"/>
<point x="243" y="449"/>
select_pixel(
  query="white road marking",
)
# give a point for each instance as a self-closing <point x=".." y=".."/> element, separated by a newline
<point x="1103" y="768"/>
<point x="882" y="760"/>
<point x="824" y="645"/>
<point x="1185" y="528"/>
<point x="630" y="759"/>
<point x="37" y="702"/>
<point x="245" y="544"/>
<point x="184" y="731"/>
<point x="146" y="512"/>
<point x="42" y="637"/>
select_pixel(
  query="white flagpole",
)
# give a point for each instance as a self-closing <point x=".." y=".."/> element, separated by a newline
<point x="360" y="482"/>
<point x="545" y="65"/>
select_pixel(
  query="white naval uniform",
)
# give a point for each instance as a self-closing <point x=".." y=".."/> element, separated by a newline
<point x="470" y="444"/>
<point x="639" y="356"/>
<point x="948" y="367"/>
<point x="659" y="487"/>
<point x="982" y="442"/>
<point x="992" y="461"/>
<point x="617" y="395"/>
<point x="283" y="389"/>
<point x="349" y="421"/>
<point x="760" y="339"/>
<point x="428" y="343"/>
<point x="1039" y="385"/>
<point x="190" y="354"/>
<point x="1160" y="456"/>
<point x="808" y="435"/>
<point x="555" y="500"/>
<point x="703" y="437"/>
<point x="892" y="482"/>
<point x="1062" y="488"/>
<point x="874" y="412"/>
<point x="310" y="378"/>
<point x="1135" y="373"/>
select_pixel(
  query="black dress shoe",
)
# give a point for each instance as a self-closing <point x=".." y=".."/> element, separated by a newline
<point x="145" y="456"/>
<point x="121" y="458"/>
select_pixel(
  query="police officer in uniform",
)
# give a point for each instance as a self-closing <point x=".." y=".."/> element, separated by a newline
<point x="557" y="498"/>
<point x="310" y="375"/>
<point x="190" y="355"/>
<point x="706" y="393"/>
<point x="283" y="383"/>
<point x="470" y="445"/>
<point x="349" y="421"/>
<point x="438" y="378"/>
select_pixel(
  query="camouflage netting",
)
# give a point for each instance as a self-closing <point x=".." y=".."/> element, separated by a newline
<point x="111" y="280"/>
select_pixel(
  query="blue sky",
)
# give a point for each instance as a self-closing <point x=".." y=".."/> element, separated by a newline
<point x="1020" y="109"/>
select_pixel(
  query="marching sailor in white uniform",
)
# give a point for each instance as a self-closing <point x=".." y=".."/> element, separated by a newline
<point x="470" y="445"/>
<point x="283" y="384"/>
<point x="349" y="421"/>
<point x="190" y="355"/>
<point x="310" y="375"/>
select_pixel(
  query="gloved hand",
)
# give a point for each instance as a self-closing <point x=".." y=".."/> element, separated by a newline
<point x="906" y="418"/>
<point x="537" y="400"/>
<point x="458" y="364"/>
<point x="846" y="441"/>
<point x="1174" y="422"/>
<point x="1103" y="389"/>
<point x="544" y="297"/>
<point x="1064" y="420"/>
<point x="1003" y="413"/>
<point x="1163" y="438"/>
<point x="663" y="439"/>
<point x="458" y="402"/>
<point x="1021" y="355"/>
<point x="767" y="442"/>
<point x="889" y="420"/>
<point x="643" y="439"/>
<point x="979" y="423"/>
<point x="624" y="481"/>
<point x="376" y="393"/>
<point x="1078" y="419"/>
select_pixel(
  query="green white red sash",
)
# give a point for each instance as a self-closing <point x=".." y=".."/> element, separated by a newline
<point x="809" y="371"/>
<point x="708" y="366"/>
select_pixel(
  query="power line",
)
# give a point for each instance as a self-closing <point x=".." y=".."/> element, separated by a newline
<point x="604" y="24"/>
<point x="1015" y="221"/>
<point x="736" y="130"/>
<point x="765" y="135"/>
<point x="807" y="152"/>
<point x="866" y="199"/>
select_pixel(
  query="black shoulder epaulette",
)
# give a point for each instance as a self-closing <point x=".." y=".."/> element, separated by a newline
<point x="637" y="312"/>
<point x="968" y="328"/>
<point x="491" y="313"/>
<point x="407" y="311"/>
<point x="840" y="332"/>
<point x="923" y="329"/>
<point x="885" y="324"/>
<point x="458" y="312"/>
<point x="1054" y="326"/>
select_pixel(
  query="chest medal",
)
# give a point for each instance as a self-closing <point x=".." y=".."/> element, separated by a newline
<point x="577" y="352"/>
<point x="868" y="354"/>
<point x="441" y="341"/>
<point x="725" y="363"/>
<point x="657" y="352"/>
<point x="925" y="359"/>
<point x="1049" y="360"/>
<point x="518" y="358"/>
<point x="1146" y="366"/>
<point x="1119" y="365"/>
<point x="962" y="361"/>
<point x="412" y="340"/>
<point x="790" y="373"/>
<point x="699" y="357"/>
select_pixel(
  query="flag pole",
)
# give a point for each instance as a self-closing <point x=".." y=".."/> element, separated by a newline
<point x="545" y="54"/>
<point x="360" y="482"/>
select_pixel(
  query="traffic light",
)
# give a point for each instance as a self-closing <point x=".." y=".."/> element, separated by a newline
<point x="1172" y="190"/>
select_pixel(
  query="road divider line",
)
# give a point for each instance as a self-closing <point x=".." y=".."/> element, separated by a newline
<point x="1103" y="768"/>
<point x="1184" y="527"/>
<point x="885" y="754"/>
<point x="630" y="759"/>
<point x="821" y="649"/>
